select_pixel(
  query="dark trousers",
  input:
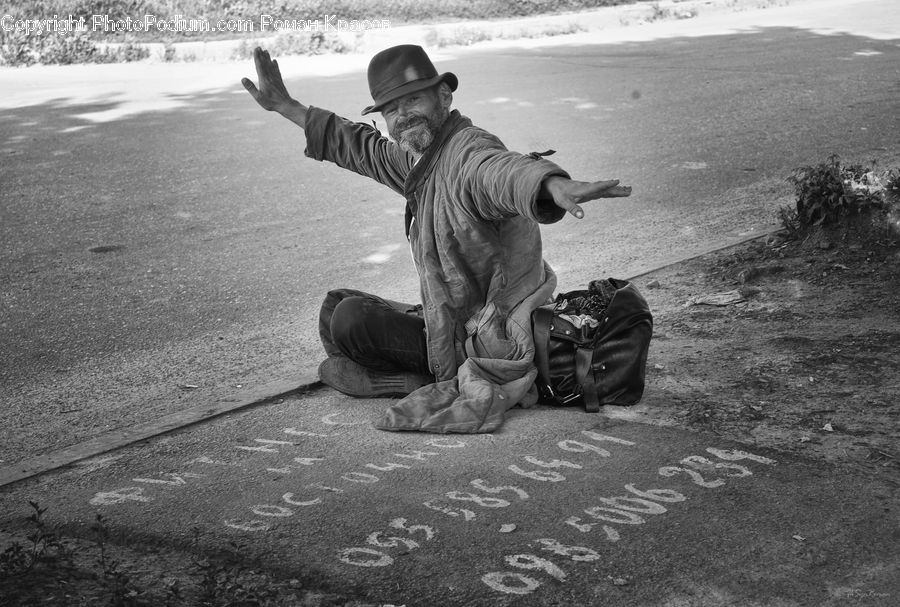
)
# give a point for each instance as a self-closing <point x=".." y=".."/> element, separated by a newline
<point x="376" y="333"/>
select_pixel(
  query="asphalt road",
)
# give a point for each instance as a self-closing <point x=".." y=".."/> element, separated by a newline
<point x="162" y="256"/>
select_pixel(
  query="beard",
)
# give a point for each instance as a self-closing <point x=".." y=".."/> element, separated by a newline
<point x="416" y="133"/>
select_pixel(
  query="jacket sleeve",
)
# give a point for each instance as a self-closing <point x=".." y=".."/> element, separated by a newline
<point x="357" y="147"/>
<point x="499" y="184"/>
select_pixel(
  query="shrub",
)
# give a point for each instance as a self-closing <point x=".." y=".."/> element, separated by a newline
<point x="829" y="192"/>
<point x="19" y="49"/>
<point x="298" y="42"/>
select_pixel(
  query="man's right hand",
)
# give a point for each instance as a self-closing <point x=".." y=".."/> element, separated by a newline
<point x="272" y="95"/>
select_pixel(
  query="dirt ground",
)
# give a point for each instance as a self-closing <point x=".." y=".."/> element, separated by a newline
<point x="807" y="357"/>
<point x="788" y="344"/>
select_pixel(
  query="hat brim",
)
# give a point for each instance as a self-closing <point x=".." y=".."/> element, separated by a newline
<point x="411" y="87"/>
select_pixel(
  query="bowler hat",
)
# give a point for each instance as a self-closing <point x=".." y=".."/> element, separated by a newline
<point x="401" y="70"/>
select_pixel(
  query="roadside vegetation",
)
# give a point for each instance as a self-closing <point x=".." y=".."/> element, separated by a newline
<point x="18" y="48"/>
<point x="833" y="196"/>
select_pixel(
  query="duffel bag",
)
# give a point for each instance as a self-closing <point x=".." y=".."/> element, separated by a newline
<point x="591" y="346"/>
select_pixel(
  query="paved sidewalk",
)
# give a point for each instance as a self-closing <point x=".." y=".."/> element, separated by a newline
<point x="560" y="507"/>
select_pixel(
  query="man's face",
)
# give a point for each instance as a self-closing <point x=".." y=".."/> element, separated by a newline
<point x="414" y="120"/>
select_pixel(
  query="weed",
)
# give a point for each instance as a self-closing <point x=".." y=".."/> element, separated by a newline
<point x="14" y="560"/>
<point x="830" y="192"/>
<point x="116" y="581"/>
<point x="44" y="545"/>
<point x="891" y="180"/>
<point x="23" y="566"/>
<point x="790" y="221"/>
<point x="40" y="537"/>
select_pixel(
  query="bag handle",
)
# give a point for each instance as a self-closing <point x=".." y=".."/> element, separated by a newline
<point x="583" y="358"/>
<point x="541" y="319"/>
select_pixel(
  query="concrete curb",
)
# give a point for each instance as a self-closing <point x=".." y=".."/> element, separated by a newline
<point x="110" y="441"/>
<point x="694" y="256"/>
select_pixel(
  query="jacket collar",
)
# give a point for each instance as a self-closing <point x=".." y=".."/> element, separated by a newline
<point x="455" y="122"/>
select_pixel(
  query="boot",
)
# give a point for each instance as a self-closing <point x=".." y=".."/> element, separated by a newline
<point x="352" y="379"/>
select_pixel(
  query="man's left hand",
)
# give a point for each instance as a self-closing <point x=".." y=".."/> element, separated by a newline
<point x="568" y="194"/>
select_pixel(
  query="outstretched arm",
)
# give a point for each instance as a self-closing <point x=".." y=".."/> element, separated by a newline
<point x="272" y="95"/>
<point x="568" y="194"/>
<point x="350" y="145"/>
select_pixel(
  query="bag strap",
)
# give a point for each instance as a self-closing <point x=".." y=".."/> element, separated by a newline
<point x="541" y="319"/>
<point x="583" y="358"/>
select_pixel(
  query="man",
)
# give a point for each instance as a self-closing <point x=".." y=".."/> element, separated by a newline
<point x="473" y="208"/>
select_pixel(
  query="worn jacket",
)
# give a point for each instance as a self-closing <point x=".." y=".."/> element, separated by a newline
<point x="472" y="218"/>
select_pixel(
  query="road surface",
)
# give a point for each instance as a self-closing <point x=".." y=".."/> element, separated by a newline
<point x="165" y="242"/>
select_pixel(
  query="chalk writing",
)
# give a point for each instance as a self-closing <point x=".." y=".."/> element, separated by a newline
<point x="360" y="477"/>
<point x="289" y="498"/>
<point x="510" y="582"/>
<point x="732" y="455"/>
<point x="118" y="496"/>
<point x="538" y="475"/>
<point x="308" y="461"/>
<point x="629" y="509"/>
<point x="329" y="420"/>
<point x="357" y="478"/>
<point x="556" y="463"/>
<point x="576" y="553"/>
<point x="369" y="557"/>
<point x="480" y="500"/>
<point x="487" y="502"/>
<point x="417" y="455"/>
<point x="173" y="479"/>
<point x="446" y="443"/>
<point x="580" y="447"/>
<point x="326" y="488"/>
<point x="605" y="438"/>
<point x="695" y="476"/>
<point x="482" y="486"/>
<point x="302" y="461"/>
<point x="252" y="526"/>
<point x="467" y="515"/>
<point x="295" y="432"/>
<point x="575" y="521"/>
<point x="269" y="510"/>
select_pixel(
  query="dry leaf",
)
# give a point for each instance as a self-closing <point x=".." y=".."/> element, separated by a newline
<point x="716" y="299"/>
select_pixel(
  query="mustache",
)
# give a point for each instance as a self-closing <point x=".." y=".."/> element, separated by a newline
<point x="404" y="124"/>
